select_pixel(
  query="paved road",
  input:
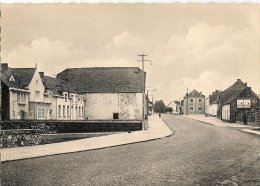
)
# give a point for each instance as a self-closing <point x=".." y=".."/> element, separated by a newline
<point x="197" y="154"/>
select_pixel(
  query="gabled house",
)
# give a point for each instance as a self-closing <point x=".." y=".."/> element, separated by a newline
<point x="175" y="105"/>
<point x="238" y="103"/>
<point x="212" y="103"/>
<point x="67" y="104"/>
<point x="194" y="103"/>
<point x="22" y="94"/>
<point x="111" y="93"/>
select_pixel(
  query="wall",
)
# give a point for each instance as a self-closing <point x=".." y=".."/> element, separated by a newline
<point x="16" y="107"/>
<point x="101" y="106"/>
<point x="226" y="112"/>
<point x="195" y="105"/>
<point x="36" y="84"/>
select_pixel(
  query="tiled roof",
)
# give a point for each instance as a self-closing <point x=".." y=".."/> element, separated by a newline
<point x="195" y="93"/>
<point x="56" y="85"/>
<point x="214" y="98"/>
<point x="24" y="75"/>
<point x="105" y="79"/>
<point x="232" y="92"/>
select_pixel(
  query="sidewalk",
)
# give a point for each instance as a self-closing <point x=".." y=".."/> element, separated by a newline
<point x="217" y="122"/>
<point x="157" y="129"/>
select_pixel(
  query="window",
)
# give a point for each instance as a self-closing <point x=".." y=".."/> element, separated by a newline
<point x="191" y="108"/>
<point x="200" y="100"/>
<point x="36" y="81"/>
<point x="12" y="79"/>
<point x="115" y="116"/>
<point x="59" y="110"/>
<point x="79" y="111"/>
<point x="82" y="112"/>
<point x="66" y="97"/>
<point x="191" y="101"/>
<point x="63" y="110"/>
<point x="68" y="111"/>
<point x="21" y="97"/>
<point x="200" y="109"/>
<point x="40" y="113"/>
<point x="37" y="94"/>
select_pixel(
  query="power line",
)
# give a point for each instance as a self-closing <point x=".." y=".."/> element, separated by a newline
<point x="144" y="60"/>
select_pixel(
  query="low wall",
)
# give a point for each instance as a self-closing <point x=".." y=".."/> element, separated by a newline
<point x="19" y="137"/>
<point x="47" y="126"/>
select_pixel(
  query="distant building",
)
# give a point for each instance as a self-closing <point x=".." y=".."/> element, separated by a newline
<point x="212" y="103"/>
<point x="112" y="93"/>
<point x="194" y="103"/>
<point x="175" y="105"/>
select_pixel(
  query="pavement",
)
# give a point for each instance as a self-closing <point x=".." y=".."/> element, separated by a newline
<point x="157" y="129"/>
<point x="197" y="154"/>
<point x="217" y="122"/>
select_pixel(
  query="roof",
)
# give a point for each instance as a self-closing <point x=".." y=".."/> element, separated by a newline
<point x="22" y="76"/>
<point x="232" y="92"/>
<point x="105" y="79"/>
<point x="195" y="93"/>
<point x="57" y="86"/>
<point x="214" y="98"/>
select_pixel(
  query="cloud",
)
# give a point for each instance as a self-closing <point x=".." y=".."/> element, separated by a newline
<point x="206" y="82"/>
<point x="206" y="57"/>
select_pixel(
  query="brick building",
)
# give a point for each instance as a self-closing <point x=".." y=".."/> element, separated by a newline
<point x="194" y="103"/>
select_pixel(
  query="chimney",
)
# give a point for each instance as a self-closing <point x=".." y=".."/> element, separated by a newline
<point x="41" y="74"/>
<point x="246" y="84"/>
<point x="238" y="80"/>
<point x="200" y="93"/>
<point x="4" y="65"/>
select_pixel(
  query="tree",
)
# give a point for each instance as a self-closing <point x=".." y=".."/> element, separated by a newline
<point x="159" y="106"/>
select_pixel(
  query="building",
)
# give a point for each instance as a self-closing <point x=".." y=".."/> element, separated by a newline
<point x="212" y="103"/>
<point x="194" y="103"/>
<point x="239" y="104"/>
<point x="67" y="104"/>
<point x="22" y="94"/>
<point x="111" y="93"/>
<point x="175" y="105"/>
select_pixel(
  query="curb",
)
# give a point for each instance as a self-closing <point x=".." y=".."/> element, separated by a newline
<point x="98" y="148"/>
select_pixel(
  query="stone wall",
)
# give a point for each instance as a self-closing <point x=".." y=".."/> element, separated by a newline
<point x="19" y="137"/>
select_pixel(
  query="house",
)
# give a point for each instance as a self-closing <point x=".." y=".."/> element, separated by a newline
<point x="175" y="105"/>
<point x="194" y="103"/>
<point x="67" y="104"/>
<point x="22" y="94"/>
<point x="212" y="103"/>
<point x="239" y="104"/>
<point x="111" y="93"/>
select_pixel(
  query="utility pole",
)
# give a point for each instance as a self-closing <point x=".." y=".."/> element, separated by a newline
<point x="143" y="110"/>
<point x="144" y="60"/>
<point x="187" y="111"/>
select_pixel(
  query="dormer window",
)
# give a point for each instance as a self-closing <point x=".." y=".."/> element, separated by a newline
<point x="12" y="79"/>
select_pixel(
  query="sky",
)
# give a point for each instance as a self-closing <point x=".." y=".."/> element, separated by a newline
<point x="206" y="47"/>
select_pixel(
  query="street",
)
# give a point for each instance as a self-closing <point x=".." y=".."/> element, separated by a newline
<point x="196" y="154"/>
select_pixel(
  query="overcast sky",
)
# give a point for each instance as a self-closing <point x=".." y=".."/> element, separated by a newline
<point x="195" y="46"/>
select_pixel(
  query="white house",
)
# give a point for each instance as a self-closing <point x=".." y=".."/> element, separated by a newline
<point x="112" y="93"/>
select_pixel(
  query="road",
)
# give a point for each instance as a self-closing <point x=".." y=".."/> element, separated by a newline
<point x="197" y="154"/>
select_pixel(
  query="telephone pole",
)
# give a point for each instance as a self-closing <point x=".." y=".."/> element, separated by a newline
<point x="144" y="60"/>
<point x="143" y="107"/>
